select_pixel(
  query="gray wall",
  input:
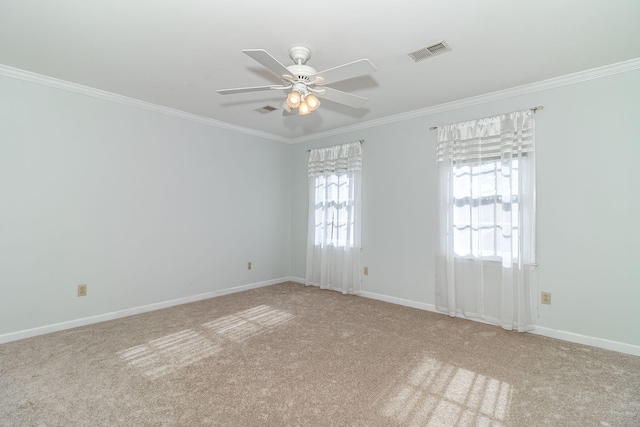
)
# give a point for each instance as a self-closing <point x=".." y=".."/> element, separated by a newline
<point x="140" y="206"/>
<point x="588" y="149"/>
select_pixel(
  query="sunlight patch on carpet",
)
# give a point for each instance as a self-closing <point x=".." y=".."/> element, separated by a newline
<point x="164" y="355"/>
<point x="245" y="324"/>
<point x="437" y="394"/>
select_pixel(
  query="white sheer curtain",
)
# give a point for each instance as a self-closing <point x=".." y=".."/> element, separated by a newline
<point x="333" y="239"/>
<point x="486" y="219"/>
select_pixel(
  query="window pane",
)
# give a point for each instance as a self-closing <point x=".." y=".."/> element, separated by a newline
<point x="485" y="212"/>
<point x="334" y="211"/>
<point x="462" y="241"/>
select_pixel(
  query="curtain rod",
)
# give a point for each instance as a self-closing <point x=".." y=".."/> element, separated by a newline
<point x="361" y="141"/>
<point x="534" y="109"/>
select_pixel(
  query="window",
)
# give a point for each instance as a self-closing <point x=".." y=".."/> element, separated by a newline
<point x="334" y="211"/>
<point x="333" y="238"/>
<point x="486" y="220"/>
<point x="485" y="245"/>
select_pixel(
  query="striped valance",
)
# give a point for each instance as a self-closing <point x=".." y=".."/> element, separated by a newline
<point x="487" y="138"/>
<point x="335" y="160"/>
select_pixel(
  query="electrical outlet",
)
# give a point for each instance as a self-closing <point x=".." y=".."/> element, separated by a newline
<point x="248" y="266"/>
<point x="366" y="271"/>
<point x="546" y="297"/>
<point x="82" y="290"/>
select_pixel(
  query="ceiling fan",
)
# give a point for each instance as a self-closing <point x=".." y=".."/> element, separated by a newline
<point x="305" y="82"/>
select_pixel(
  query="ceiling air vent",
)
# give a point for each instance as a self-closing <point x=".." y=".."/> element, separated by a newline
<point x="266" y="109"/>
<point x="429" y="51"/>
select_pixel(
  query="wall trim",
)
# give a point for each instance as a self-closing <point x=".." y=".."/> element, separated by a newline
<point x="580" y="76"/>
<point x="28" y="76"/>
<point x="400" y="301"/>
<point x="41" y="330"/>
<point x="539" y="330"/>
<point x="618" y="346"/>
<point x="569" y="79"/>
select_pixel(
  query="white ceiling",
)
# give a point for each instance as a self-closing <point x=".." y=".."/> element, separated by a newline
<point x="177" y="53"/>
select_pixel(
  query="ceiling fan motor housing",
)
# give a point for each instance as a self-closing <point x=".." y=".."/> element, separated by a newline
<point x="300" y="54"/>
<point x="302" y="72"/>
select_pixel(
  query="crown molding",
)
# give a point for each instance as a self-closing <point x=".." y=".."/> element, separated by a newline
<point x="569" y="79"/>
<point x="17" y="73"/>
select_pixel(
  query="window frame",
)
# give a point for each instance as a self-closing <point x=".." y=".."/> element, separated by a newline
<point x="495" y="255"/>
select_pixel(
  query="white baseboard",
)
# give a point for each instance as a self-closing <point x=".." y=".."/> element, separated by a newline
<point x="297" y="280"/>
<point x="620" y="347"/>
<point x="400" y="301"/>
<point x="539" y="330"/>
<point x="28" y="333"/>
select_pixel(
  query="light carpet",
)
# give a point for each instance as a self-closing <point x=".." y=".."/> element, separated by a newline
<point x="290" y="355"/>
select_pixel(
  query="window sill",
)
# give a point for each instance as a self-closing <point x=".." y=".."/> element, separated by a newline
<point x="495" y="261"/>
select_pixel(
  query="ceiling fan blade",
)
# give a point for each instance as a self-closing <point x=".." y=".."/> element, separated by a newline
<point x="247" y="89"/>
<point x="346" y="71"/>
<point x="345" y="98"/>
<point x="268" y="61"/>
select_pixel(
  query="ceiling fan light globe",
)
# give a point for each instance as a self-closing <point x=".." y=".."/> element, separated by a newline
<point x="304" y="109"/>
<point x="285" y="106"/>
<point x="312" y="102"/>
<point x="294" y="98"/>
